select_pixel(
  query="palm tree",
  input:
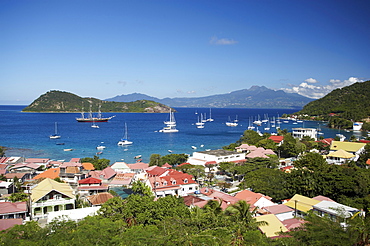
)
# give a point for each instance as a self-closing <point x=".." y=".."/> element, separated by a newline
<point x="241" y="213"/>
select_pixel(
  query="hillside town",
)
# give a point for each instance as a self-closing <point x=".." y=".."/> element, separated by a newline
<point x="45" y="190"/>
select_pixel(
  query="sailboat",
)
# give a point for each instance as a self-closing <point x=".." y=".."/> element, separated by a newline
<point x="91" y="118"/>
<point x="170" y="125"/>
<point x="200" y="123"/>
<point x="94" y="125"/>
<point x="124" y="140"/>
<point x="55" y="135"/>
<point x="231" y="123"/>
<point x="210" y="116"/>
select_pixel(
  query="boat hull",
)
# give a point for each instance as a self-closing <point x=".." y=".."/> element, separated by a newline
<point x="93" y="119"/>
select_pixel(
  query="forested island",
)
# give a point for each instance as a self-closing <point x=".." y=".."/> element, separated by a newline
<point x="341" y="107"/>
<point x="65" y="102"/>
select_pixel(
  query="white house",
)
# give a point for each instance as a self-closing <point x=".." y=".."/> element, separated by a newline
<point x="49" y="196"/>
<point x="335" y="210"/>
<point x="255" y="199"/>
<point x="301" y="132"/>
<point x="220" y="155"/>
<point x="281" y="211"/>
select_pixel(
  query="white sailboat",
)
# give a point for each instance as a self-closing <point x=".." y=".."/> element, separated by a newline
<point x="250" y="127"/>
<point x="200" y="121"/>
<point x="93" y="125"/>
<point x="170" y="125"/>
<point x="124" y="140"/>
<point x="210" y="116"/>
<point x="55" y="135"/>
<point x="231" y="123"/>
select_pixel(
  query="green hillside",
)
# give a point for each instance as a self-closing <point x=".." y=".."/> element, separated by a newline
<point x="60" y="101"/>
<point x="351" y="103"/>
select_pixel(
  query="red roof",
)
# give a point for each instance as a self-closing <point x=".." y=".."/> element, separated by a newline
<point x="250" y="197"/>
<point x="13" y="207"/>
<point x="90" y="181"/>
<point x="156" y="171"/>
<point x="166" y="165"/>
<point x="368" y="162"/>
<point x="276" y="139"/>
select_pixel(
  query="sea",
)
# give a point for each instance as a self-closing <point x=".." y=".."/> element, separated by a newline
<point x="27" y="134"/>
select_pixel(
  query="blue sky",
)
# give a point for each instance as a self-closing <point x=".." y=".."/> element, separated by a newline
<point x="180" y="48"/>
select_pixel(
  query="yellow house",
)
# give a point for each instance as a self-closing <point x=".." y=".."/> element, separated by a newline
<point x="273" y="226"/>
<point x="50" y="196"/>
<point x="350" y="147"/>
<point x="301" y="204"/>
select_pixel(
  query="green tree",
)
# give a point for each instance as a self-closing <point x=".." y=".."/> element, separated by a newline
<point x="141" y="188"/>
<point x="312" y="161"/>
<point x="99" y="164"/>
<point x="2" y="151"/>
<point x="18" y="197"/>
<point x="155" y="160"/>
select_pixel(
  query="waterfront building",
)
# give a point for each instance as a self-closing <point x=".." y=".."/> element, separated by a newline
<point x="301" y="132"/>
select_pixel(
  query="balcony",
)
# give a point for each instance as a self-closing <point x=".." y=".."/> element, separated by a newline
<point x="53" y="202"/>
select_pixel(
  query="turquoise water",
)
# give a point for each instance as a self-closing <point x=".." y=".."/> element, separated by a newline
<point x="27" y="134"/>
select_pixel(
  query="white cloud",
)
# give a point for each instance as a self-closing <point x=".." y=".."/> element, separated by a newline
<point x="318" y="91"/>
<point x="222" y="41"/>
<point x="311" y="80"/>
<point x="191" y="92"/>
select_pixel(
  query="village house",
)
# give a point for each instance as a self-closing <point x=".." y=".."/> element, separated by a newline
<point x="123" y="180"/>
<point x="25" y="168"/>
<point x="335" y="210"/>
<point x="22" y="177"/>
<point x="49" y="195"/>
<point x="6" y="188"/>
<point x="99" y="199"/>
<point x="350" y="147"/>
<point x="91" y="186"/>
<point x="220" y="155"/>
<point x="281" y="211"/>
<point x="301" y="132"/>
<point x="106" y="175"/>
<point x="166" y="182"/>
<point x="255" y="199"/>
<point x="39" y="161"/>
<point x="71" y="172"/>
<point x="13" y="210"/>
<point x="50" y="173"/>
<point x="120" y="167"/>
<point x="273" y="226"/>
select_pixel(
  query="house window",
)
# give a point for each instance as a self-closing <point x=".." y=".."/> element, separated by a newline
<point x="185" y="181"/>
<point x="165" y="183"/>
<point x="173" y="182"/>
<point x="156" y="184"/>
<point x="58" y="196"/>
<point x="190" y="188"/>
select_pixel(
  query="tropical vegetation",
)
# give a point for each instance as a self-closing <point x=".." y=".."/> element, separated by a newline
<point x="60" y="101"/>
<point x="342" y="106"/>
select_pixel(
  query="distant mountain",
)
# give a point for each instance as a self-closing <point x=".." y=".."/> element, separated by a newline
<point x="60" y="101"/>
<point x="255" y="97"/>
<point x="350" y="102"/>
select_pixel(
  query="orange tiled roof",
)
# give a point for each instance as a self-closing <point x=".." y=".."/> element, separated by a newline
<point x="250" y="197"/>
<point x="88" y="166"/>
<point x="51" y="173"/>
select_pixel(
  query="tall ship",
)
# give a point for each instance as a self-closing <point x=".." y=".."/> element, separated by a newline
<point x="91" y="118"/>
